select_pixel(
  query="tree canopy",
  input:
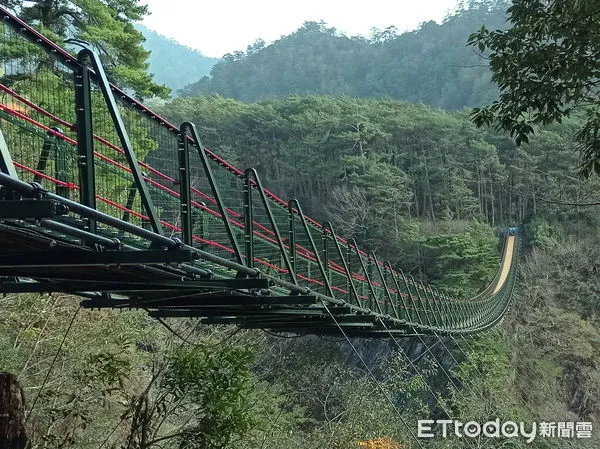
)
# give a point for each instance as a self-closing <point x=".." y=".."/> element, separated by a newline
<point x="380" y="169"/>
<point x="107" y="25"/>
<point x="547" y="67"/>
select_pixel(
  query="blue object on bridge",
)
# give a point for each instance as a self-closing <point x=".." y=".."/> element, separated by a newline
<point x="512" y="231"/>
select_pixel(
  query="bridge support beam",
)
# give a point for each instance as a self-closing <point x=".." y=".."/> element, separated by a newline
<point x="115" y="115"/>
<point x="6" y="163"/>
<point x="96" y="259"/>
<point x="185" y="200"/>
<point x="7" y="167"/>
<point x="85" y="141"/>
<point x="191" y="128"/>
<point x="248" y="175"/>
<point x="35" y="209"/>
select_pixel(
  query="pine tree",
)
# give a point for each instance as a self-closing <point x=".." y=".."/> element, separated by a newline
<point x="107" y="26"/>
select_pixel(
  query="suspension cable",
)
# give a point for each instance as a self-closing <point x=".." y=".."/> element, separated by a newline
<point x="379" y="386"/>
<point x="124" y="416"/>
<point x="52" y="364"/>
<point x="419" y="372"/>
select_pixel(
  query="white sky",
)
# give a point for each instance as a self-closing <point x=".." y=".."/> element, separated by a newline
<point x="216" y="27"/>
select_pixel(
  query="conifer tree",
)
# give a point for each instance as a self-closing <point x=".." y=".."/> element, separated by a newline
<point x="107" y="25"/>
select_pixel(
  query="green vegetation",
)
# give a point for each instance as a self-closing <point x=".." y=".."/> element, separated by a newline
<point x="546" y="69"/>
<point x="406" y="180"/>
<point x="107" y="26"/>
<point x="122" y="377"/>
<point x="430" y="65"/>
<point x="424" y="188"/>
<point x="142" y="387"/>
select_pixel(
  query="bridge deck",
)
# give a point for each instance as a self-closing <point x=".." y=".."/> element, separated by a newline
<point x="507" y="261"/>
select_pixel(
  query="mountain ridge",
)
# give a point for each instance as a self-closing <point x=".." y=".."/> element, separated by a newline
<point x="432" y="64"/>
<point x="172" y="63"/>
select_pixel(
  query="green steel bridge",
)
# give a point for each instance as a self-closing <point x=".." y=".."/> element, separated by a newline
<point x="102" y="198"/>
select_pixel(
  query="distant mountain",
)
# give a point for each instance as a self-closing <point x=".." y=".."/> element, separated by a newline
<point x="174" y="64"/>
<point x="431" y="65"/>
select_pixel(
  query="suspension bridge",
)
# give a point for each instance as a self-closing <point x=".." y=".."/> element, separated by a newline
<point x="102" y="198"/>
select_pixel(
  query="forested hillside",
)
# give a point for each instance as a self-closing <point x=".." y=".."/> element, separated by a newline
<point x="420" y="185"/>
<point x="395" y="175"/>
<point x="173" y="64"/>
<point x="430" y="65"/>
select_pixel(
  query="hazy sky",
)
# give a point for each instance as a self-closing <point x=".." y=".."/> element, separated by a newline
<point x="217" y="27"/>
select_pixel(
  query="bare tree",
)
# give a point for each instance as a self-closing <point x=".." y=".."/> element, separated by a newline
<point x="12" y="413"/>
<point x="348" y="210"/>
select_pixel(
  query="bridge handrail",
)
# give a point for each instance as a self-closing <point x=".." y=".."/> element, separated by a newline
<point x="429" y="302"/>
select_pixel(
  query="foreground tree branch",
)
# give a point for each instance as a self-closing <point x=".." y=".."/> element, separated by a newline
<point x="545" y="66"/>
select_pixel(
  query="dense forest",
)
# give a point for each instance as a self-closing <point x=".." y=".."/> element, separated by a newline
<point x="394" y="175"/>
<point x="420" y="185"/>
<point x="432" y="64"/>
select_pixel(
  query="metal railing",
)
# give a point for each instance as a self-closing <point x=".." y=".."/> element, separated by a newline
<point x="68" y="128"/>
